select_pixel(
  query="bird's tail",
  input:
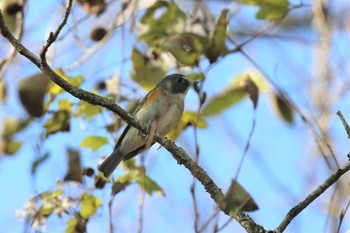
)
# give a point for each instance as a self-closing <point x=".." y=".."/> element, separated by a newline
<point x="110" y="164"/>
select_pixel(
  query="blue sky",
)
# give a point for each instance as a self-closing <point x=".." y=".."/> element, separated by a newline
<point x="281" y="166"/>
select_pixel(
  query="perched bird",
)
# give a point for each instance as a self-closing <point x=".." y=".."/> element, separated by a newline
<point x="161" y="109"/>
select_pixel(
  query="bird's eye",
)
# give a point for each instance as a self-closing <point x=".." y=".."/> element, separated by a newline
<point x="179" y="80"/>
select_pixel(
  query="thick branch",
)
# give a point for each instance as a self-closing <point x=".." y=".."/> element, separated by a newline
<point x="178" y="153"/>
<point x="310" y="198"/>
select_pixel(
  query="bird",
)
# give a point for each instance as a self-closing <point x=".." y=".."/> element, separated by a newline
<point x="161" y="109"/>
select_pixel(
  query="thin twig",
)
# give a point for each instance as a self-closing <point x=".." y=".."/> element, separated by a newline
<point x="119" y="20"/>
<point x="342" y="214"/>
<point x="345" y="124"/>
<point x="330" y="206"/>
<point x="141" y="205"/>
<point x="212" y="216"/>
<point x="110" y="203"/>
<point x="288" y="100"/>
<point x="6" y="61"/>
<point x="240" y="165"/>
<point x="311" y="197"/>
<point x="193" y="185"/>
<point x="53" y="35"/>
<point x="318" y="138"/>
<point x="224" y="225"/>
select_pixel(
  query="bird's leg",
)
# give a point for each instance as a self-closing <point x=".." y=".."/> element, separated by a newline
<point x="151" y="134"/>
<point x="151" y="130"/>
<point x="144" y="135"/>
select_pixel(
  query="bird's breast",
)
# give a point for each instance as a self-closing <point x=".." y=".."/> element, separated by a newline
<point x="169" y="113"/>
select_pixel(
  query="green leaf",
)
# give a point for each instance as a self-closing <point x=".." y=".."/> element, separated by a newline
<point x="49" y="195"/>
<point x="145" y="72"/>
<point x="39" y="161"/>
<point x="65" y="105"/>
<point x="11" y="147"/>
<point x="216" y="46"/>
<point x="119" y="186"/>
<point x="148" y="17"/>
<point x="76" y="224"/>
<point x="94" y="142"/>
<point x="224" y="100"/>
<point x="11" y="126"/>
<point x="149" y="185"/>
<point x="49" y="200"/>
<point x="283" y="109"/>
<point x="237" y="199"/>
<point x="59" y="122"/>
<point x="249" y="82"/>
<point x="88" y="110"/>
<point x="145" y="182"/>
<point x="196" y="77"/>
<point x="270" y="9"/>
<point x="188" y="118"/>
<point x="3" y="90"/>
<point x="89" y="205"/>
<point x="170" y="22"/>
<point x="9" y="19"/>
<point x="55" y="90"/>
<point x="185" y="47"/>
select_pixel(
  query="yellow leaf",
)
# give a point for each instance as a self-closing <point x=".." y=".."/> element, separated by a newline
<point x="94" y="142"/>
<point x="188" y="118"/>
<point x="60" y="121"/>
<point x="89" y="205"/>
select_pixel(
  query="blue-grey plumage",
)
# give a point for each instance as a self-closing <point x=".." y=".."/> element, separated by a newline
<point x="163" y="106"/>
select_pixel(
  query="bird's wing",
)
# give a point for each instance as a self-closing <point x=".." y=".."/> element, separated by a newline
<point x="149" y="98"/>
<point x="146" y="101"/>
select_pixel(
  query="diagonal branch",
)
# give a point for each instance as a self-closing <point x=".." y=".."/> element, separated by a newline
<point x="177" y="152"/>
<point x="310" y="198"/>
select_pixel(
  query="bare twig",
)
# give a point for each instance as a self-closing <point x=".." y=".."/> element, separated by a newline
<point x="341" y="216"/>
<point x="345" y="124"/>
<point x="310" y="198"/>
<point x="224" y="225"/>
<point x="122" y="17"/>
<point x="193" y="185"/>
<point x="53" y="35"/>
<point x="141" y="205"/>
<point x="246" y="146"/>
<point x="330" y="207"/>
<point x="110" y="204"/>
<point x="6" y="61"/>
<point x="215" y="213"/>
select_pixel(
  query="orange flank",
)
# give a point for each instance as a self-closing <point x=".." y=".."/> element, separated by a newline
<point x="152" y="96"/>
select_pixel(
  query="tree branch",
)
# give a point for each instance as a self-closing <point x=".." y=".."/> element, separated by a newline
<point x="310" y="198"/>
<point x="345" y="124"/>
<point x="177" y="152"/>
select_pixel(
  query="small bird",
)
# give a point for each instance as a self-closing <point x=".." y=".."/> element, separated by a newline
<point x="161" y="109"/>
